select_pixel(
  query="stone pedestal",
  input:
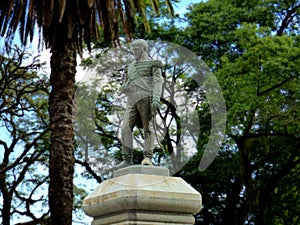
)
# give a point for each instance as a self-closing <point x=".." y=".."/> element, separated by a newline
<point x="143" y="195"/>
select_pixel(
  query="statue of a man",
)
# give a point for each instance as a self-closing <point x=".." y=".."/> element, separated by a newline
<point x="143" y="87"/>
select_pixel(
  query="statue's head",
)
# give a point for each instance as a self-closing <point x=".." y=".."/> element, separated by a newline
<point x="139" y="43"/>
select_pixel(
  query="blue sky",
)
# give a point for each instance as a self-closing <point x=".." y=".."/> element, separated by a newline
<point x="181" y="7"/>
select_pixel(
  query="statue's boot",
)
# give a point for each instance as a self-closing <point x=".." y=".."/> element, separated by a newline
<point x="127" y="156"/>
<point x="147" y="158"/>
<point x="148" y="148"/>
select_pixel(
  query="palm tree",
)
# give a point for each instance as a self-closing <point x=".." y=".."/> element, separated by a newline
<point x="64" y="26"/>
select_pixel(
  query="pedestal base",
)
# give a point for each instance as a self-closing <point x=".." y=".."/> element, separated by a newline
<point x="139" y="197"/>
<point x="145" y="217"/>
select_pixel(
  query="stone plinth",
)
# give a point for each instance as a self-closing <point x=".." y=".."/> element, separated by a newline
<point x="140" y="195"/>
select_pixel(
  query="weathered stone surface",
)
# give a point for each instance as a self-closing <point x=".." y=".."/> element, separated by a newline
<point x="141" y="198"/>
<point x="149" y="218"/>
<point x="140" y="169"/>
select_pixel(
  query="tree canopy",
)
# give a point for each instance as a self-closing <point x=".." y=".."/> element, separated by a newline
<point x="253" y="49"/>
<point x="24" y="137"/>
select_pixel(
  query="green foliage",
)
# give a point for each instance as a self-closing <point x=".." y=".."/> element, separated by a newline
<point x="25" y="140"/>
<point x="253" y="48"/>
<point x="264" y="77"/>
<point x="255" y="55"/>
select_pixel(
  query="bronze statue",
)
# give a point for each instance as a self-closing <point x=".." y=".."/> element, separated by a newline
<point x="142" y="87"/>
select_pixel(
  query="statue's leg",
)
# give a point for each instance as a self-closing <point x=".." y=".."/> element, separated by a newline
<point x="145" y="112"/>
<point x="126" y="138"/>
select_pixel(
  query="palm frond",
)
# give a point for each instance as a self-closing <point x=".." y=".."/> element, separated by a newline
<point x="130" y="18"/>
<point x="131" y="4"/>
<point x="45" y="11"/>
<point x="141" y="7"/>
<point x="61" y="11"/>
<point x="30" y="22"/>
<point x="81" y="12"/>
<point x="30" y="9"/>
<point x="19" y="11"/>
<point x="90" y="3"/>
<point x="132" y="12"/>
<point x="123" y="20"/>
<point x="70" y="26"/>
<point x="155" y="6"/>
<point x="22" y="25"/>
<point x="79" y="21"/>
<point x="6" y="10"/>
<point x="170" y="7"/>
<point x="112" y="18"/>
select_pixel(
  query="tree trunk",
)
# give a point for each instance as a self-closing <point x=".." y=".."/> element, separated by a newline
<point x="233" y="214"/>
<point x="6" y="204"/>
<point x="61" y="110"/>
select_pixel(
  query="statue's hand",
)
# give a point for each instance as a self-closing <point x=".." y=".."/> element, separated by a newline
<point x="155" y="103"/>
<point x="125" y="89"/>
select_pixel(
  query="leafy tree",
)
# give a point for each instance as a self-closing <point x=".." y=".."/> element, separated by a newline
<point x="64" y="25"/>
<point x="212" y="23"/>
<point x="253" y="48"/>
<point x="265" y="114"/>
<point x="25" y="142"/>
<point x="24" y="138"/>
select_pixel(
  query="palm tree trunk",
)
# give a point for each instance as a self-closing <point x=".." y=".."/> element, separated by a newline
<point x="61" y="110"/>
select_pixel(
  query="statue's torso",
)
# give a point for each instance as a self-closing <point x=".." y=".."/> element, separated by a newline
<point x="139" y="82"/>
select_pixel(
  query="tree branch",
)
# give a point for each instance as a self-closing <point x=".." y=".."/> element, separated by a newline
<point x="273" y="87"/>
<point x="27" y="148"/>
<point x="89" y="169"/>
<point x="287" y="19"/>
